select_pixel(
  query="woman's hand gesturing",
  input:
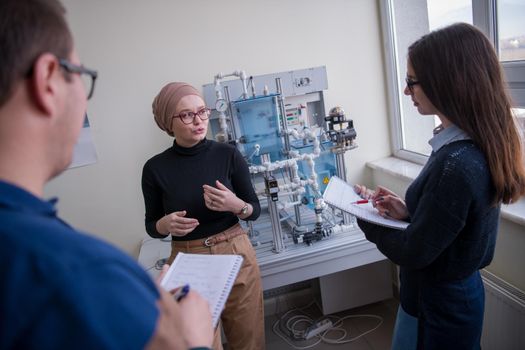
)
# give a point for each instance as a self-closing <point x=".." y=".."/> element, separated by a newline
<point x="220" y="198"/>
<point x="176" y="224"/>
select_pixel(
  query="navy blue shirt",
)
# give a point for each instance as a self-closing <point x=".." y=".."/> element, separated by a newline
<point x="62" y="289"/>
<point x="172" y="181"/>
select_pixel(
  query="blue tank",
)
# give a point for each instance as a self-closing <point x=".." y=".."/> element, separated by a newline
<point x="258" y="121"/>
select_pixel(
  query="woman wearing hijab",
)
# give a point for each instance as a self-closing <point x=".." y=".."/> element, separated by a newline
<point x="196" y="191"/>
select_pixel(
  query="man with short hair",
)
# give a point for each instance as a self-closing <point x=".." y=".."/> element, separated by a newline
<point x="62" y="289"/>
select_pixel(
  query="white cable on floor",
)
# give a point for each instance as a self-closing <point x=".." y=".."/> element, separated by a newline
<point x="293" y="321"/>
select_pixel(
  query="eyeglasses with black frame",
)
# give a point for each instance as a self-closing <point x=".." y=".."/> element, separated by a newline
<point x="74" y="68"/>
<point x="188" y="117"/>
<point x="410" y="83"/>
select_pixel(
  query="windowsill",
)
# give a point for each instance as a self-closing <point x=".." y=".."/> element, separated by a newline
<point x="408" y="171"/>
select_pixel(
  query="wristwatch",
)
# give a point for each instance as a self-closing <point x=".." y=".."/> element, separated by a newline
<point x="243" y="210"/>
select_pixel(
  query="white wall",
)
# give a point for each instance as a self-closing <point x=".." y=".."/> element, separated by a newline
<point x="509" y="259"/>
<point x="138" y="46"/>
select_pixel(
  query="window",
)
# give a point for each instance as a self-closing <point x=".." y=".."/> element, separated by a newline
<point x="520" y="116"/>
<point x="510" y="38"/>
<point x="511" y="30"/>
<point x="404" y="21"/>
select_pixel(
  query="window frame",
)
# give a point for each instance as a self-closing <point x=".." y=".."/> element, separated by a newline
<point x="484" y="16"/>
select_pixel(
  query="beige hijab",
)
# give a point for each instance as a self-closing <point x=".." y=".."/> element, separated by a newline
<point x="165" y="103"/>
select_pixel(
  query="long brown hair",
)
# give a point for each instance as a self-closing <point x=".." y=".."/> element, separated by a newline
<point x="459" y="72"/>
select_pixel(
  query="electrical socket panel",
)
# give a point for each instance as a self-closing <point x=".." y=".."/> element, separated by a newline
<point x="318" y="328"/>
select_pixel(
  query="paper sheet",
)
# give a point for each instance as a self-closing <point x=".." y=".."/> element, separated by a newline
<point x="210" y="275"/>
<point x="84" y="152"/>
<point x="341" y="194"/>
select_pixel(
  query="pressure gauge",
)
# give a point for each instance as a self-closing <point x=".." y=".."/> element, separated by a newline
<point x="221" y="105"/>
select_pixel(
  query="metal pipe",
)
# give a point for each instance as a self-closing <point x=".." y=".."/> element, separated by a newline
<point x="278" y="241"/>
<point x="341" y="173"/>
<point x="230" y="112"/>
<point x="284" y="126"/>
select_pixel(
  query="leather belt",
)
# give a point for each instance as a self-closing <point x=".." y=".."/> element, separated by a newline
<point x="226" y="235"/>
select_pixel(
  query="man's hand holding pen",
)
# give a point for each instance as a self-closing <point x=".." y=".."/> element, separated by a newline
<point x="184" y="319"/>
<point x="181" y="292"/>
<point x="387" y="203"/>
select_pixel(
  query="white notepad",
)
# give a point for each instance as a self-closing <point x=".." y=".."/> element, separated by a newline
<point x="341" y="195"/>
<point x="210" y="275"/>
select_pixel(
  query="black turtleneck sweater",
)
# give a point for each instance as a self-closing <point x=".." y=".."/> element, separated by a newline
<point x="172" y="181"/>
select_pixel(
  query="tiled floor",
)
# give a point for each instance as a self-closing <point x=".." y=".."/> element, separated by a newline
<point x="379" y="339"/>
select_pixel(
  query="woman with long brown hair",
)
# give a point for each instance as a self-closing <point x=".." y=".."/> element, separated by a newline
<point x="453" y="206"/>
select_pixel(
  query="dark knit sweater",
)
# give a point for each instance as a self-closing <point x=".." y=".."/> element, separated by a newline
<point x="453" y="224"/>
<point x="172" y="181"/>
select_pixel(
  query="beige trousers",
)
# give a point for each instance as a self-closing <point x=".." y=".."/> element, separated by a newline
<point x="243" y="316"/>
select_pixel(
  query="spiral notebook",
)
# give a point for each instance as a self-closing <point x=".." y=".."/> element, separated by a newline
<point x="341" y="195"/>
<point x="210" y="275"/>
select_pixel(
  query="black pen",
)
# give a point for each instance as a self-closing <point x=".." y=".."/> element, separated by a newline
<point x="181" y="292"/>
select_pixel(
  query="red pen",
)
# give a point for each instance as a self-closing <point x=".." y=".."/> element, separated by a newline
<point x="364" y="201"/>
<point x="361" y="201"/>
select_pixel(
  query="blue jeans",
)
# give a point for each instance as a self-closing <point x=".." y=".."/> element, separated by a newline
<point x="451" y="314"/>
<point x="405" y="331"/>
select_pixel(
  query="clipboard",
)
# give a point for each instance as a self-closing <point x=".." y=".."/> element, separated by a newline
<point x="341" y="195"/>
